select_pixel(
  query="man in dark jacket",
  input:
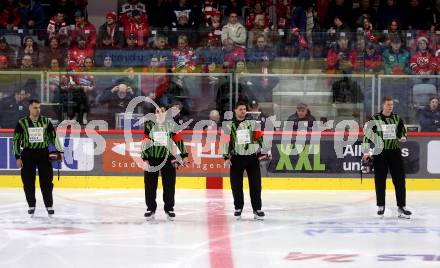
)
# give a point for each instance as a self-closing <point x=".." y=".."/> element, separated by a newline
<point x="13" y="108"/>
<point x="32" y="15"/>
<point x="347" y="91"/>
<point x="430" y="116"/>
<point x="117" y="98"/>
<point x="109" y="34"/>
<point x="302" y="119"/>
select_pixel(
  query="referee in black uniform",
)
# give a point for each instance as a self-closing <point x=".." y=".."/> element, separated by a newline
<point x="243" y="153"/>
<point x="34" y="133"/>
<point x="389" y="128"/>
<point x="157" y="148"/>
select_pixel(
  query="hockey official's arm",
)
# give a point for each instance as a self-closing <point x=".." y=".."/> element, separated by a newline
<point x="18" y="140"/>
<point x="145" y="142"/>
<point x="369" y="129"/>
<point x="52" y="137"/>
<point x="178" y="140"/>
<point x="401" y="129"/>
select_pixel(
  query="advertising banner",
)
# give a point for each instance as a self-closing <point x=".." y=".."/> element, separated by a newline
<point x="322" y="158"/>
<point x="78" y="154"/>
<point x="204" y="158"/>
<point x="420" y="156"/>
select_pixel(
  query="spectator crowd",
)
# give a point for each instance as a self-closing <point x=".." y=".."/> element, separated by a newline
<point x="213" y="36"/>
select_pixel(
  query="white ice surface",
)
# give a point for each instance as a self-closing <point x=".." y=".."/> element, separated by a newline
<point x="106" y="228"/>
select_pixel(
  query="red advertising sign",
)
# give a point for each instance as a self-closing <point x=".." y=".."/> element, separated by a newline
<point x="204" y="157"/>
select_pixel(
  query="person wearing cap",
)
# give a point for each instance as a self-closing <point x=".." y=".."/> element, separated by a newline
<point x="184" y="26"/>
<point x="109" y="34"/>
<point x="191" y="11"/>
<point x="303" y="119"/>
<point x="423" y="62"/>
<point x="83" y="27"/>
<point x="395" y="58"/>
<point x="78" y="53"/>
<point x="342" y="57"/>
<point x="137" y="24"/>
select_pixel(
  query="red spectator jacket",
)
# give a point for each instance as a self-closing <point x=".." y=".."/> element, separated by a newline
<point x="210" y="11"/>
<point x="138" y="28"/>
<point x="370" y="36"/>
<point x="86" y="29"/>
<point x="423" y="62"/>
<point x="54" y="28"/>
<point x="4" y="17"/>
<point x="157" y="84"/>
<point x="250" y="20"/>
<point x="282" y="10"/>
<point x="78" y="56"/>
<point x="373" y="62"/>
<point x="301" y="40"/>
<point x="333" y="58"/>
<point x="231" y="57"/>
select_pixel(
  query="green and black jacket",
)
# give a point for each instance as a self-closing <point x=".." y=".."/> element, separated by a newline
<point x="230" y="145"/>
<point x="151" y="150"/>
<point x="21" y="135"/>
<point x="380" y="120"/>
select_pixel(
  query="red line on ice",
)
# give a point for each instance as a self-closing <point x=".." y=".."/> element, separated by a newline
<point x="219" y="239"/>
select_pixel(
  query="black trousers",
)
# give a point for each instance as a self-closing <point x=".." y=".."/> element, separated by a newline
<point x="33" y="159"/>
<point x="168" y="172"/>
<point x="251" y="165"/>
<point x="389" y="160"/>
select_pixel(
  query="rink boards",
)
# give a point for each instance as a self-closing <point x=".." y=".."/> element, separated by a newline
<point x="137" y="182"/>
<point x="316" y="165"/>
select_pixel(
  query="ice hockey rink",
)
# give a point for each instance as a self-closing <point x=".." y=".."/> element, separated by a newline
<point x="106" y="228"/>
